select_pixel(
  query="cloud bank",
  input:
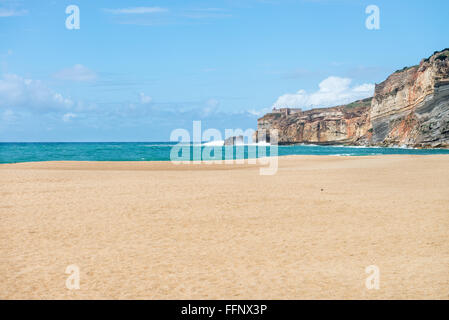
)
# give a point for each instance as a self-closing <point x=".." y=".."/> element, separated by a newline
<point x="332" y="91"/>
<point x="18" y="92"/>
<point x="144" y="98"/>
<point x="32" y="111"/>
<point x="68" y="117"/>
<point x="76" y="73"/>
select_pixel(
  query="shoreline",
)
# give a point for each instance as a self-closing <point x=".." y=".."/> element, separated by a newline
<point x="210" y="163"/>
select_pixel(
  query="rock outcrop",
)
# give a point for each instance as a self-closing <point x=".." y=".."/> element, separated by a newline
<point x="338" y="125"/>
<point x="235" y="140"/>
<point x="410" y="108"/>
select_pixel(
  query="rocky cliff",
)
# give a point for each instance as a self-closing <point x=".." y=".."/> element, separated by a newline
<point x="338" y="125"/>
<point x="410" y="108"/>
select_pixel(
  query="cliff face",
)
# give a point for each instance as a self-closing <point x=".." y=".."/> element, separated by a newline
<point x="410" y="108"/>
<point x="337" y="125"/>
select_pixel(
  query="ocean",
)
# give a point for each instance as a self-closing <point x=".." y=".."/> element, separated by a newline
<point x="160" y="151"/>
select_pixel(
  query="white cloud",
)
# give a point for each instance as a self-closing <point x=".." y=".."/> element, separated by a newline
<point x="258" y="113"/>
<point x="212" y="103"/>
<point x="57" y="97"/>
<point x="211" y="107"/>
<point x="136" y="10"/>
<point x="367" y="87"/>
<point x="68" y="116"/>
<point x="332" y="91"/>
<point x="17" y="92"/>
<point x="144" y="98"/>
<point x="76" y="73"/>
<point x="11" y="13"/>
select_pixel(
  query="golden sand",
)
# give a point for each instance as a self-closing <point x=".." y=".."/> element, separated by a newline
<point x="158" y="231"/>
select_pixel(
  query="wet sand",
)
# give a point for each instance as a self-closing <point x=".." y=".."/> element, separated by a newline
<point x="153" y="230"/>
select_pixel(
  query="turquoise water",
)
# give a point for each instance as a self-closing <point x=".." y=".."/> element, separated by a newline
<point x="160" y="151"/>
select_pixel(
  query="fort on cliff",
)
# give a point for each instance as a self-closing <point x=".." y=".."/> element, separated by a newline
<point x="410" y="108"/>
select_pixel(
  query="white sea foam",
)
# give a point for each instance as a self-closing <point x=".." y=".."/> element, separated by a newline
<point x="157" y="145"/>
<point x="354" y="147"/>
<point x="215" y="143"/>
<point x="219" y="143"/>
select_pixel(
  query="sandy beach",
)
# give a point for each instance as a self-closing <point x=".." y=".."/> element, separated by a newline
<point x="153" y="230"/>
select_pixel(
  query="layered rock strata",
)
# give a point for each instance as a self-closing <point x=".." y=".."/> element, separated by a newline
<point x="410" y="108"/>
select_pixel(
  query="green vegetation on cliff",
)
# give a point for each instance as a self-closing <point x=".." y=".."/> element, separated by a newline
<point x="359" y="103"/>
<point x="405" y="69"/>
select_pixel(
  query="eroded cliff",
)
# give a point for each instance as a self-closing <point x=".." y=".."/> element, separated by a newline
<point x="410" y="108"/>
<point x="338" y="125"/>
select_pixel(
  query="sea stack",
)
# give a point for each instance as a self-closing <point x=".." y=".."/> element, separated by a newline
<point x="232" y="141"/>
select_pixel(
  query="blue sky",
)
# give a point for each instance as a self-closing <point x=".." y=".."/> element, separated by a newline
<point x="136" y="70"/>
